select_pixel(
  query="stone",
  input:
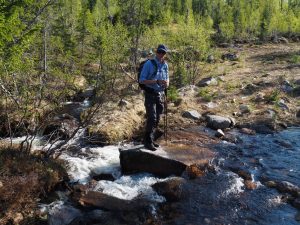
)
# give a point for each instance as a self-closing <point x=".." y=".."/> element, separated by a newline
<point x="247" y="131"/>
<point x="62" y="214"/>
<point x="208" y="81"/>
<point x="270" y="184"/>
<point x="193" y="171"/>
<point x="172" y="189"/>
<point x="1" y="184"/>
<point x="249" y="89"/>
<point x="250" y="185"/>
<point x="282" y="104"/>
<point x="287" y="187"/>
<point x="210" y="59"/>
<point x="244" y="109"/>
<point x="219" y="133"/>
<point x="283" y="40"/>
<point x="104" y="201"/>
<point x="298" y="113"/>
<point x="135" y="161"/>
<point x="103" y="176"/>
<point x="296" y="91"/>
<point x="230" y="56"/>
<point x="192" y="114"/>
<point x="218" y="122"/>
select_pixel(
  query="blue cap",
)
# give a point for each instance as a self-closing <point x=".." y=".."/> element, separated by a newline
<point x="162" y="48"/>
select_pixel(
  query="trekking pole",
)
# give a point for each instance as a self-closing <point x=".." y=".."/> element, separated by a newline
<point x="166" y="118"/>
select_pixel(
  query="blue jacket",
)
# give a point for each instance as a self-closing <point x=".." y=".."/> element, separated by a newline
<point x="148" y="71"/>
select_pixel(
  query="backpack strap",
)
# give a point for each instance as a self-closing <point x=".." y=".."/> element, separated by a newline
<point x="154" y="63"/>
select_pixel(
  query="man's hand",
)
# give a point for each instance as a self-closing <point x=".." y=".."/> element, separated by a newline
<point x="164" y="83"/>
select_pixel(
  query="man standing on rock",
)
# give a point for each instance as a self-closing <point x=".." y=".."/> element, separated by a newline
<point x="156" y="80"/>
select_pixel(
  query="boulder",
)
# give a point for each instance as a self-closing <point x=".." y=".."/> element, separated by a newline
<point x="249" y="89"/>
<point x="62" y="214"/>
<point x="194" y="171"/>
<point x="296" y="91"/>
<point x="244" y="109"/>
<point x="191" y="114"/>
<point x="296" y="203"/>
<point x="135" y="161"/>
<point x="172" y="189"/>
<point x="247" y="131"/>
<point x="219" y="133"/>
<point x="287" y="187"/>
<point x="208" y="81"/>
<point x="104" y="201"/>
<point x="218" y="122"/>
<point x="61" y="127"/>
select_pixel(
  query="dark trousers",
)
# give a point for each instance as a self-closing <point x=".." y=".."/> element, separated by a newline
<point x="154" y="108"/>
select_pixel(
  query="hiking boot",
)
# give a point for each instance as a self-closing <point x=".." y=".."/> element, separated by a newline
<point x="156" y="145"/>
<point x="150" y="146"/>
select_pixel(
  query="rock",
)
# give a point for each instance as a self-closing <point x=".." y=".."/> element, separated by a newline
<point x="210" y="59"/>
<point x="250" y="185"/>
<point x="218" y="122"/>
<point x="1" y="184"/>
<point x="249" y="89"/>
<point x="62" y="214"/>
<point x="230" y="56"/>
<point x="283" y="40"/>
<point x="270" y="184"/>
<point x="84" y="95"/>
<point x="244" y="109"/>
<point x="123" y="103"/>
<point x="296" y="91"/>
<point x="104" y="201"/>
<point x="283" y="143"/>
<point x="282" y="104"/>
<point x="193" y="171"/>
<point x="219" y="133"/>
<point x="259" y="97"/>
<point x="192" y="114"/>
<point x="172" y="189"/>
<point x="61" y="127"/>
<point x="297" y="217"/>
<point x="247" y="131"/>
<point x="134" y="161"/>
<point x="209" y="81"/>
<point x="296" y="203"/>
<point x="262" y="129"/>
<point x="287" y="187"/>
<point x="298" y="113"/>
<point x="103" y="176"/>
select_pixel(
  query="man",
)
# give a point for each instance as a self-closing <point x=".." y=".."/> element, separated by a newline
<point x="156" y="79"/>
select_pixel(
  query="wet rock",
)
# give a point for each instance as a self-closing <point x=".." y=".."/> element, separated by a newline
<point x="84" y="95"/>
<point x="62" y="214"/>
<point x="262" y="129"/>
<point x="250" y="185"/>
<point x="209" y="81"/>
<point x="219" y="133"/>
<point x="287" y="187"/>
<point x="283" y="143"/>
<point x="247" y="131"/>
<point x="134" y="161"/>
<point x="270" y="184"/>
<point x="296" y="203"/>
<point x="172" y="189"/>
<point x="104" y="201"/>
<point x="232" y="138"/>
<point x="103" y="176"/>
<point x="218" y="122"/>
<point x="61" y="127"/>
<point x="244" y="109"/>
<point x="192" y="114"/>
<point x="193" y="171"/>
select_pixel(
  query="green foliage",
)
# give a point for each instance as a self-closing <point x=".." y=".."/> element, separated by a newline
<point x="274" y="96"/>
<point x="295" y="59"/>
<point x="206" y="95"/>
<point x="173" y="95"/>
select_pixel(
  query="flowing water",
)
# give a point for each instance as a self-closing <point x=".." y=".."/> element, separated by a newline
<point x="219" y="197"/>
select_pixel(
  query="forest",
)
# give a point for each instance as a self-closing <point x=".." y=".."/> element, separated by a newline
<point x="49" y="48"/>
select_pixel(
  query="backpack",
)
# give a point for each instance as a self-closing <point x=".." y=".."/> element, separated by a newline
<point x="143" y="86"/>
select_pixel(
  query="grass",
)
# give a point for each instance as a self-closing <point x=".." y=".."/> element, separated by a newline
<point x="295" y="59"/>
<point x="206" y="94"/>
<point x="25" y="179"/>
<point x="274" y="96"/>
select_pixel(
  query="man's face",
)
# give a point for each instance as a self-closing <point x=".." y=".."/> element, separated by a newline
<point x="161" y="55"/>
